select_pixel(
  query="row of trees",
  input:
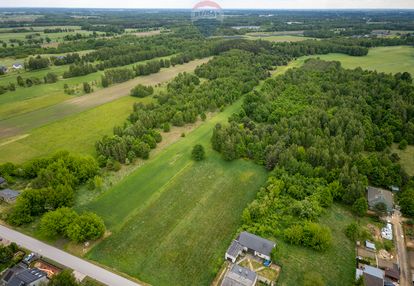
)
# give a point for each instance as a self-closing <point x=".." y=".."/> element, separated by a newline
<point x="184" y="101"/>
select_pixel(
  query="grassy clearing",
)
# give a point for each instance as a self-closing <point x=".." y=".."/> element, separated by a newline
<point x="406" y="158"/>
<point x="24" y="100"/>
<point x="77" y="133"/>
<point x="336" y="264"/>
<point x="382" y="59"/>
<point x="174" y="217"/>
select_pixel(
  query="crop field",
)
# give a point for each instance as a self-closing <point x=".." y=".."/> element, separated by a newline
<point x="77" y="133"/>
<point x="335" y="264"/>
<point x="173" y="218"/>
<point x="24" y="100"/>
<point x="383" y="59"/>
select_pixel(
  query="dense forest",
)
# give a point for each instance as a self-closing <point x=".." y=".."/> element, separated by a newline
<point x="324" y="134"/>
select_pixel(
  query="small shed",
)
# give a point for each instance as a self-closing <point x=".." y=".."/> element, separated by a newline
<point x="2" y="180"/>
<point x="395" y="189"/>
<point x="17" y="66"/>
<point x="9" y="196"/>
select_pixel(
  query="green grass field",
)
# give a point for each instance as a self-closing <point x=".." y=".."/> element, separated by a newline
<point x="77" y="133"/>
<point x="336" y="265"/>
<point x="382" y="59"/>
<point x="406" y="158"/>
<point x="279" y="38"/>
<point x="24" y="100"/>
<point x="173" y="218"/>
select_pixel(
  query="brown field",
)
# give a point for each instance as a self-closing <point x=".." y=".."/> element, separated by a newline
<point x="148" y="33"/>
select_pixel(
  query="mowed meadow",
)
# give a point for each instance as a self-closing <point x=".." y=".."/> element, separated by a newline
<point x="172" y="219"/>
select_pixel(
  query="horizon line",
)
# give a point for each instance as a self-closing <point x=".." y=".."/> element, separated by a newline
<point x="228" y="8"/>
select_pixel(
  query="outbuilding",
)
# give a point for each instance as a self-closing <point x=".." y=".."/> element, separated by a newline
<point x="9" y="196"/>
<point x="17" y="66"/>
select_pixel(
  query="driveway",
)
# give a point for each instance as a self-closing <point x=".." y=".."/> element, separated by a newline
<point x="66" y="259"/>
<point x="405" y="274"/>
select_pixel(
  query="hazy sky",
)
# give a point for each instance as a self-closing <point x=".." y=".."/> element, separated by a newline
<point x="268" y="4"/>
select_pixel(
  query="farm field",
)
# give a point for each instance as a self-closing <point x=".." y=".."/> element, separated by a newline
<point x="174" y="218"/>
<point x="279" y="38"/>
<point x="24" y="100"/>
<point x="335" y="264"/>
<point x="383" y="59"/>
<point x="25" y="122"/>
<point x="77" y="133"/>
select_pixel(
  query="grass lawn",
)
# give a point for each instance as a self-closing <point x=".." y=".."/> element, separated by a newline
<point x="336" y="265"/>
<point x="173" y="218"/>
<point x="77" y="133"/>
<point x="406" y="158"/>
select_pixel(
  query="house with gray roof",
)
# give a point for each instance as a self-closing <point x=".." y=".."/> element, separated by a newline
<point x="257" y="245"/>
<point x="234" y="250"/>
<point x="249" y="242"/>
<point x="9" y="196"/>
<point x="377" y="195"/>
<point x="239" y="276"/>
<point x="373" y="276"/>
<point x="21" y="276"/>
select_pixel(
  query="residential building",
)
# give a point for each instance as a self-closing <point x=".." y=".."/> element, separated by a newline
<point x="21" y="276"/>
<point x="373" y="276"/>
<point x="377" y="195"/>
<point x="239" y="276"/>
<point x="250" y="243"/>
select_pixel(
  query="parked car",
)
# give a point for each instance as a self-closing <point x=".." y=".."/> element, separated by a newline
<point x="30" y="258"/>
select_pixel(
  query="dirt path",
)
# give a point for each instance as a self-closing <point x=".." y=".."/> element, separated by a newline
<point x="25" y="122"/>
<point x="402" y="251"/>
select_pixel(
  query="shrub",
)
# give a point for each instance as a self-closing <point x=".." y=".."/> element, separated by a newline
<point x="403" y="144"/>
<point x="142" y="91"/>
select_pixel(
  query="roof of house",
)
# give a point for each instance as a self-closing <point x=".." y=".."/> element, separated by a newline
<point x="393" y="274"/>
<point x="9" y="194"/>
<point x="11" y="271"/>
<point x="256" y="243"/>
<point x="377" y="193"/>
<point x="2" y="180"/>
<point x="26" y="276"/>
<point x="234" y="249"/>
<point x="239" y="276"/>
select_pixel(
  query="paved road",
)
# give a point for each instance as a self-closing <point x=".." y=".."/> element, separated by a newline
<point x="66" y="259"/>
<point x="405" y="273"/>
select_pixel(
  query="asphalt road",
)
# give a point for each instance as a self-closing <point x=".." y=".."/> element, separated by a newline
<point x="405" y="274"/>
<point x="66" y="259"/>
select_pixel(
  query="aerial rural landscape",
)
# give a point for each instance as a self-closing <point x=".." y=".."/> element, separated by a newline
<point x="222" y="144"/>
